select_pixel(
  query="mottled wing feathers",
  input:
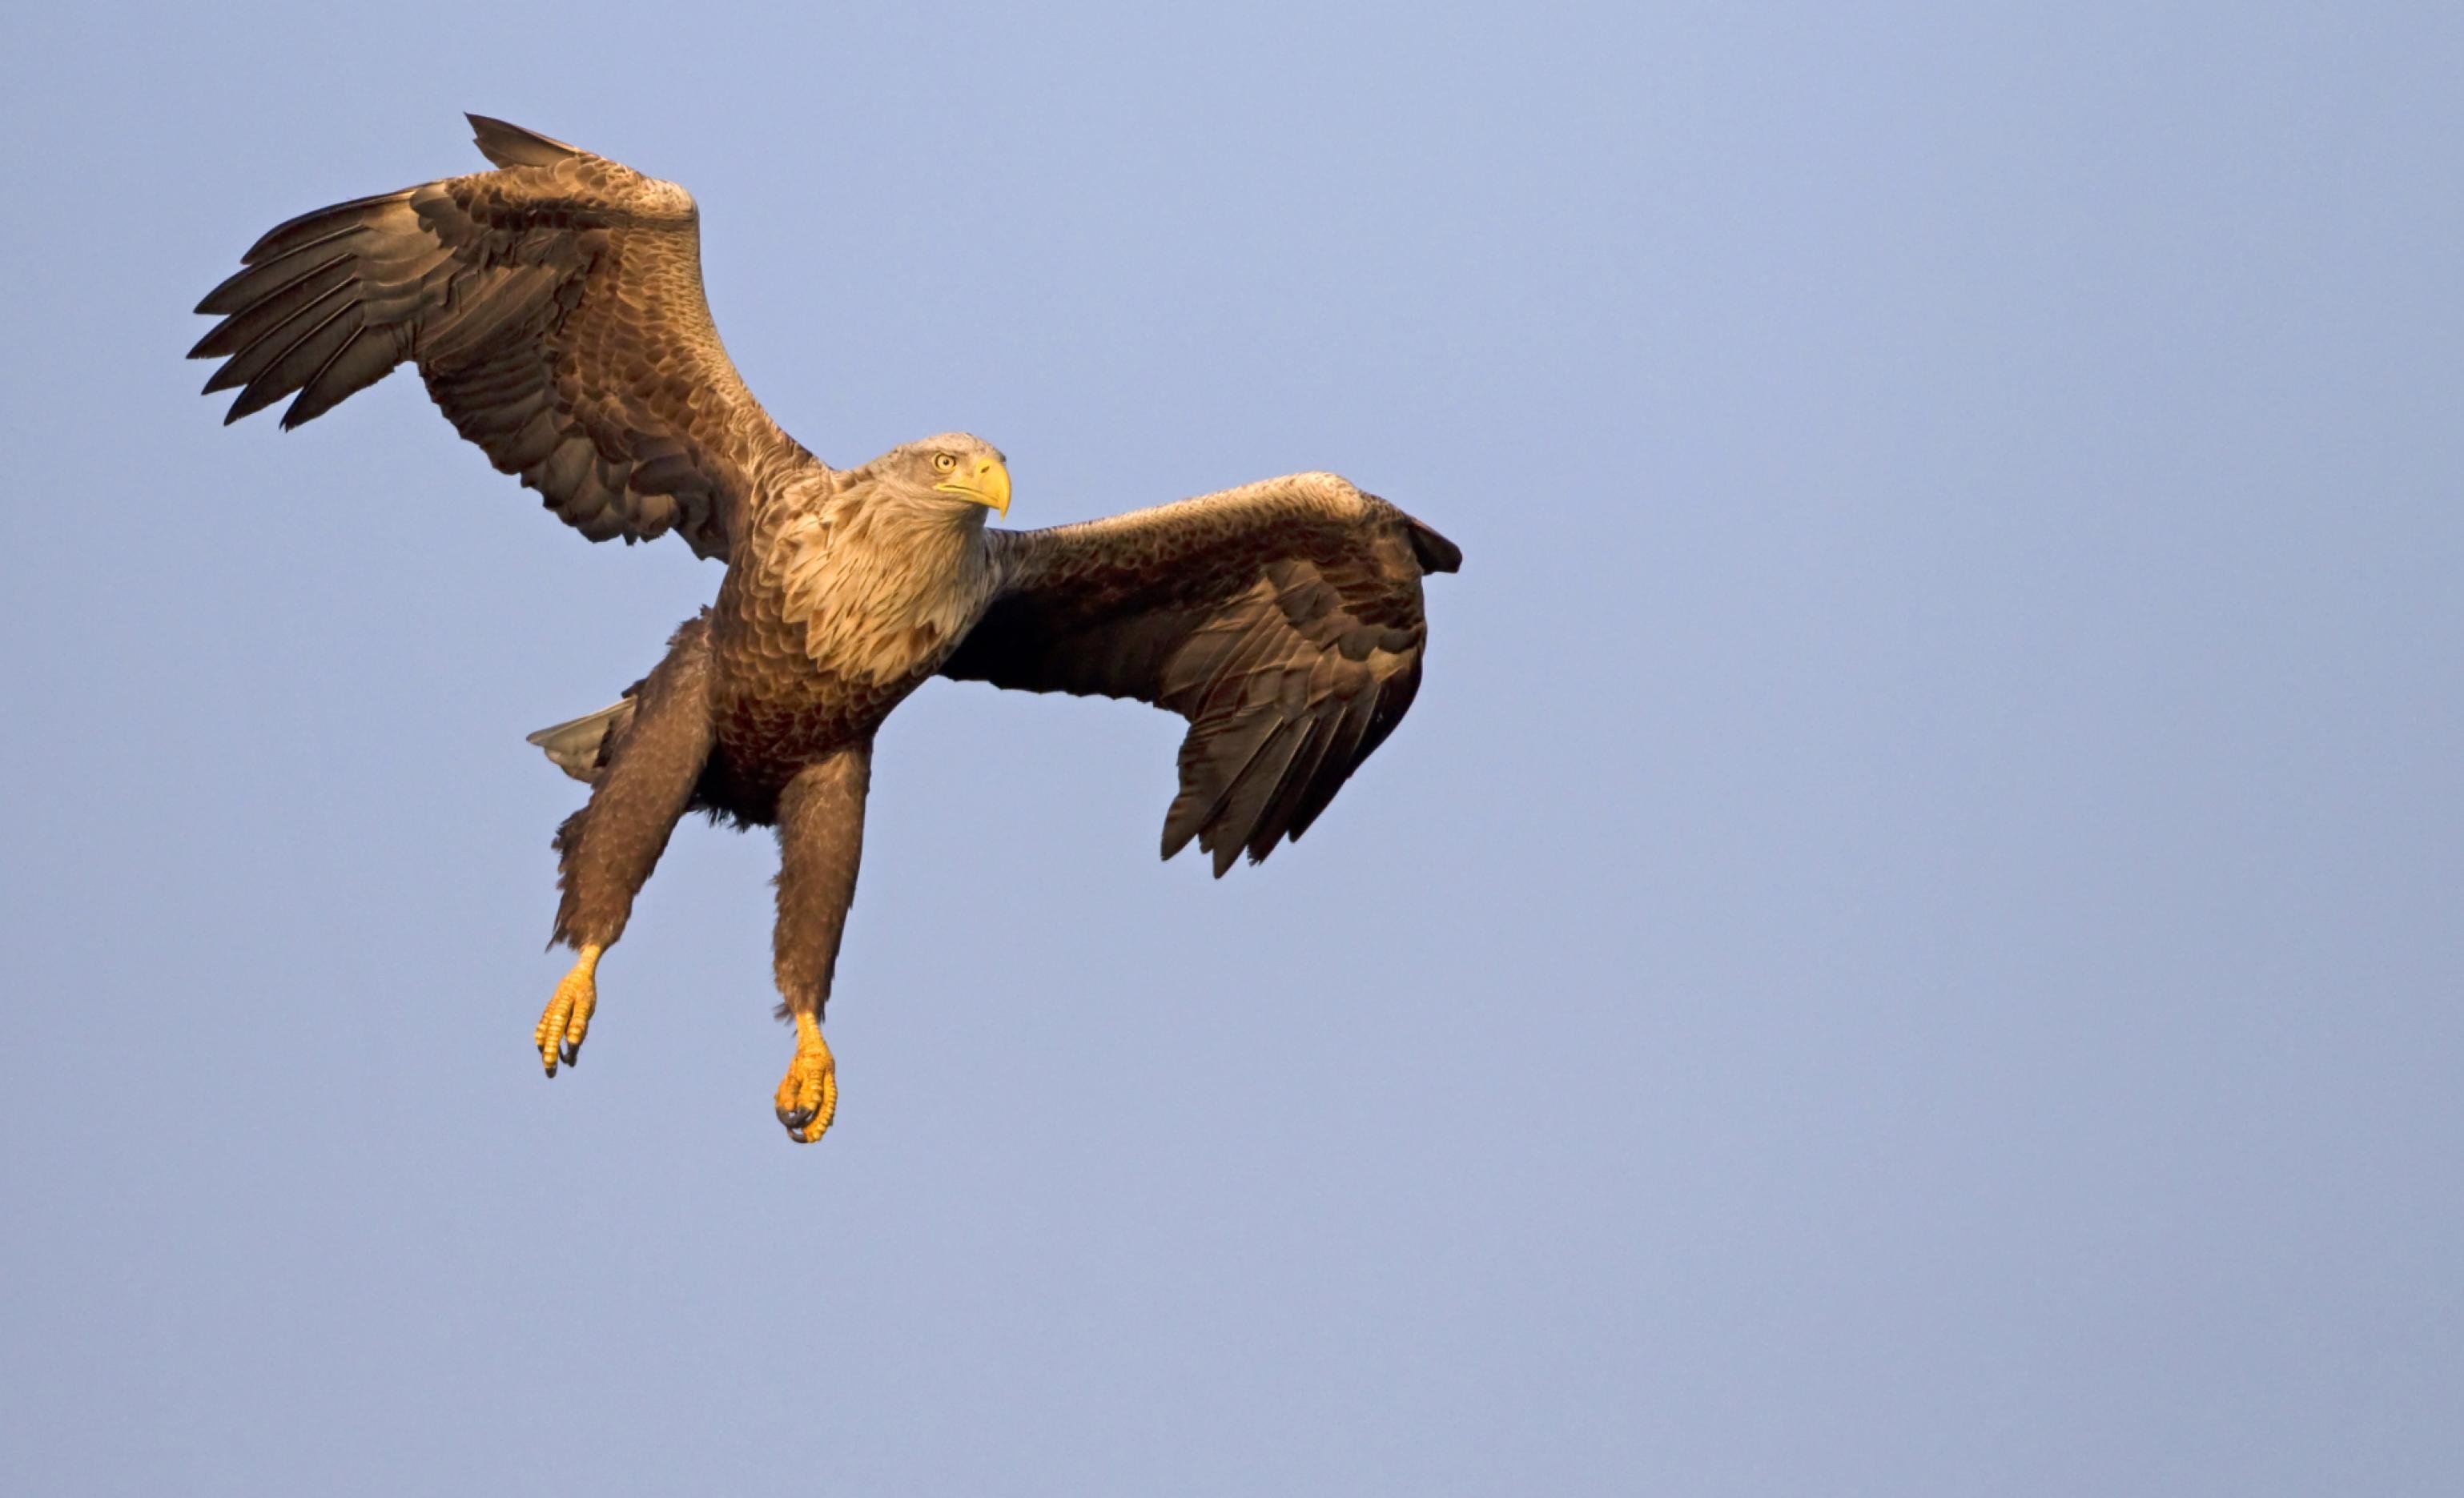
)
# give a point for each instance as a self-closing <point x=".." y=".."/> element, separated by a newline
<point x="1282" y="619"/>
<point x="555" y="309"/>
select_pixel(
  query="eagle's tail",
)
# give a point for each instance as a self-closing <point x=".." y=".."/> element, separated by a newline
<point x="575" y="744"/>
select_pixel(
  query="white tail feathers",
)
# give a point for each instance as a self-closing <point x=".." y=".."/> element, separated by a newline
<point x="575" y="743"/>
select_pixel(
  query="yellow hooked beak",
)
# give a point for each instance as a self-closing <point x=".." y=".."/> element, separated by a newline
<point x="987" y="486"/>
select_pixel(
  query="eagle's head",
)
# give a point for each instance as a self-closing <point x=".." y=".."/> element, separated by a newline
<point x="961" y="475"/>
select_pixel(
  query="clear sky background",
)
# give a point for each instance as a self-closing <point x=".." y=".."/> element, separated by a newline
<point x="1910" y="945"/>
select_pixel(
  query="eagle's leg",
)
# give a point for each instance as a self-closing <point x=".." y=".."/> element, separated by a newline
<point x="648" y="769"/>
<point x="567" y="1019"/>
<point x="821" y="840"/>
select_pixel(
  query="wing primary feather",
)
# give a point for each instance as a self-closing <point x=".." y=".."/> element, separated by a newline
<point x="274" y="380"/>
<point x="296" y="364"/>
<point x="1394" y="701"/>
<point x="363" y="359"/>
<point x="279" y="339"/>
<point x="286" y="236"/>
<point x="1341" y="758"/>
<point x="236" y="292"/>
<point x="270" y="310"/>
<point x="1297" y="777"/>
<point x="1234" y="816"/>
<point x="1245" y="824"/>
<point x="1193" y="802"/>
<point x="1179" y="820"/>
<point x="1377" y="718"/>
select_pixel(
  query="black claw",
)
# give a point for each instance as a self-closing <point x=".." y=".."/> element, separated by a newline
<point x="571" y="1054"/>
<point x="795" y="1118"/>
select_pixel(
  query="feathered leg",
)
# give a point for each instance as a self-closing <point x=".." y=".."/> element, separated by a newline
<point x="647" y="770"/>
<point x="821" y="841"/>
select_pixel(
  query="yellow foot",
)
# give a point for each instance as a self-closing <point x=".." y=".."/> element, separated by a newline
<point x="567" y="1018"/>
<point x="809" y="1097"/>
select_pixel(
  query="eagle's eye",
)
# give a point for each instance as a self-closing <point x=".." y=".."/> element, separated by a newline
<point x="945" y="462"/>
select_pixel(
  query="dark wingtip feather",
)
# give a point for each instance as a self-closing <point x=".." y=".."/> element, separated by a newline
<point x="1284" y="803"/>
<point x="365" y="357"/>
<point x="224" y="300"/>
<point x="1344" y="755"/>
<point x="1435" y="552"/>
<point x="1179" y="826"/>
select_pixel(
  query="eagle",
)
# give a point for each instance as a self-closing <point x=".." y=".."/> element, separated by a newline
<point x="554" y="308"/>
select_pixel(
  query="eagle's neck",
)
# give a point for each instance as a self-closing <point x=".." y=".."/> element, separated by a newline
<point x="881" y="587"/>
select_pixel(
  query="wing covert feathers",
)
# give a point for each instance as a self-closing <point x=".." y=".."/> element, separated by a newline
<point x="1282" y="620"/>
<point x="552" y="306"/>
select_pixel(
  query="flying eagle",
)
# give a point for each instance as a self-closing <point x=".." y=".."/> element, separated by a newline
<point x="553" y="307"/>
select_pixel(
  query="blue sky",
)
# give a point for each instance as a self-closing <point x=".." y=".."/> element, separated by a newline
<point x="1909" y="944"/>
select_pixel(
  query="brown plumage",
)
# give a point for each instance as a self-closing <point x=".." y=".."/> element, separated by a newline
<point x="554" y="308"/>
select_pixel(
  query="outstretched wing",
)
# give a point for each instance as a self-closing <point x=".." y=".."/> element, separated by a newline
<point x="1282" y="619"/>
<point x="553" y="307"/>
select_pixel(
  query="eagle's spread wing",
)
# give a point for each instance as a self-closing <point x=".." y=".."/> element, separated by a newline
<point x="555" y="308"/>
<point x="1282" y="619"/>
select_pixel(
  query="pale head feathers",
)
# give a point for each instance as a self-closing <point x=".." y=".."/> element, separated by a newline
<point x="887" y="570"/>
<point x="911" y="470"/>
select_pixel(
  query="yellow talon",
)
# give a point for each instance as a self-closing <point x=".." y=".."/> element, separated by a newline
<point x="808" y="1096"/>
<point x="567" y="1017"/>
